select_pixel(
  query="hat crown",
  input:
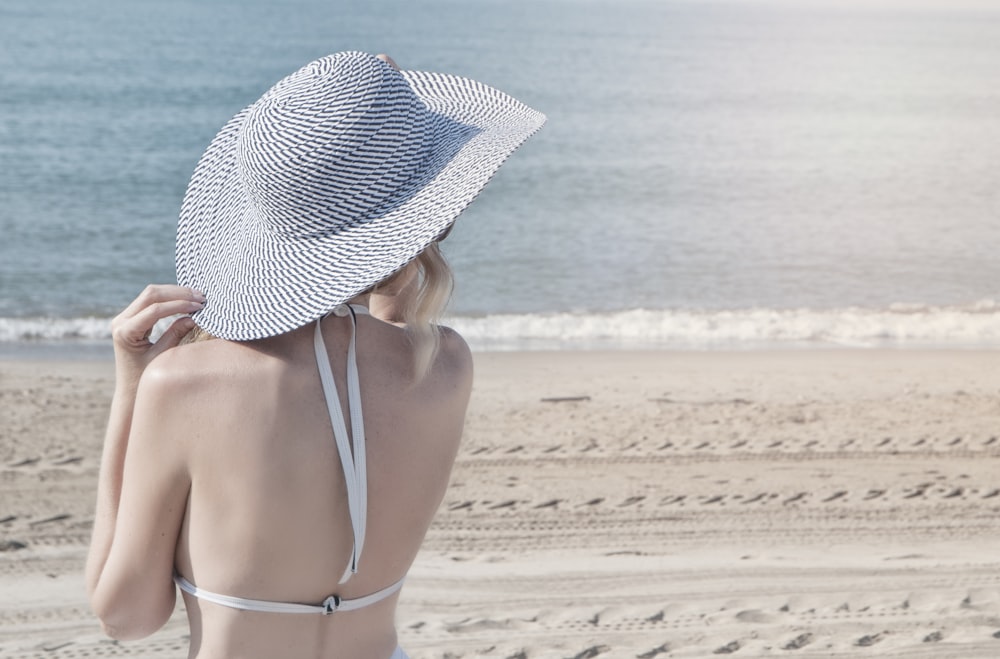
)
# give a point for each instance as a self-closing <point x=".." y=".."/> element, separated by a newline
<point x="332" y="146"/>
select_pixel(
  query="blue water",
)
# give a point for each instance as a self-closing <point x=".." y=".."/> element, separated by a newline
<point x="701" y="158"/>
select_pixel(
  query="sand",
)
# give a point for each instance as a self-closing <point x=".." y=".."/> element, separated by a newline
<point x="802" y="504"/>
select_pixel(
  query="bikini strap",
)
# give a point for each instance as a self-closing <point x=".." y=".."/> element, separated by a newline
<point x="352" y="461"/>
<point x="331" y="604"/>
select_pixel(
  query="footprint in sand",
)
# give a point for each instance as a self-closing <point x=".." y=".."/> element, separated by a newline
<point x="27" y="462"/>
<point x="47" y="520"/>
<point x="54" y="648"/>
<point x="592" y="652"/>
<point x="869" y="640"/>
<point x="654" y="652"/>
<point x="798" y="642"/>
<point x="728" y="648"/>
<point x="981" y="599"/>
<point x="755" y="616"/>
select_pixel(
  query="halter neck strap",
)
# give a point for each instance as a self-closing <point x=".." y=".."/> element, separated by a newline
<point x="352" y="459"/>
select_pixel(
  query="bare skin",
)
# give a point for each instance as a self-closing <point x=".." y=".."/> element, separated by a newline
<point x="220" y="462"/>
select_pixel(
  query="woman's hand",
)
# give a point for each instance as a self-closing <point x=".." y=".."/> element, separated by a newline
<point x="130" y="330"/>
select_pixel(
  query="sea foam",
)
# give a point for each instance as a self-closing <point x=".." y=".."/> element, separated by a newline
<point x="899" y="326"/>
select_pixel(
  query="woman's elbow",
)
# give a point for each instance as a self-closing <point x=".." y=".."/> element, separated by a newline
<point x="126" y="620"/>
<point x="121" y="634"/>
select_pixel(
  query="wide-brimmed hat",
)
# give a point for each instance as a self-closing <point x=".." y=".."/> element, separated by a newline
<point x="334" y="179"/>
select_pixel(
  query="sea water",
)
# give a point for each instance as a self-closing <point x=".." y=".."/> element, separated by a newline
<point x="737" y="174"/>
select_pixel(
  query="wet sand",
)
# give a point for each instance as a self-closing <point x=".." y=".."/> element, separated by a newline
<point x="619" y="504"/>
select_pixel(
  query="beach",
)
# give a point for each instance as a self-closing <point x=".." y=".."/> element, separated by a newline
<point x="813" y="503"/>
<point x="734" y="312"/>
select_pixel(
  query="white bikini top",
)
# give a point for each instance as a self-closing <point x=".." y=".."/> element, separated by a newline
<point x="355" y="476"/>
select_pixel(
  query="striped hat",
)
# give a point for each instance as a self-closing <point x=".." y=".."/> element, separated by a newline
<point x="334" y="179"/>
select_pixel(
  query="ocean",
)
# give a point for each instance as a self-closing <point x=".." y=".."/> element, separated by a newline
<point x="741" y="174"/>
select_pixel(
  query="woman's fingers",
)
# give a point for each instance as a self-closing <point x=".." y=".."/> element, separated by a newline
<point x="155" y="293"/>
<point x="132" y="327"/>
<point x="130" y="330"/>
<point x="173" y="335"/>
<point x="134" y="330"/>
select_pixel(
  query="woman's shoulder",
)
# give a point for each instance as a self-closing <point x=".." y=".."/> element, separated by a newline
<point x="454" y="352"/>
<point x="189" y="368"/>
<point x="453" y="361"/>
<point x="449" y="379"/>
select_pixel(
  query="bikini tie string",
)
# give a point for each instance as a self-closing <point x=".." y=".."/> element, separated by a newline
<point x="331" y="604"/>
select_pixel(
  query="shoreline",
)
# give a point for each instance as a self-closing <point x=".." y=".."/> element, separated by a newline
<point x="974" y="325"/>
<point x="834" y="503"/>
<point x="64" y="352"/>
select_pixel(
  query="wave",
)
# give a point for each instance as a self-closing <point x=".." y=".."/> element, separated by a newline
<point x="900" y="325"/>
<point x="55" y="329"/>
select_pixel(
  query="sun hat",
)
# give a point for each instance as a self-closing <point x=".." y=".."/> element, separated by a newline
<point x="335" y="178"/>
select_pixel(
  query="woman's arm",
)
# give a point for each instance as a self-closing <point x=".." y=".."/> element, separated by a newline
<point x="133" y="352"/>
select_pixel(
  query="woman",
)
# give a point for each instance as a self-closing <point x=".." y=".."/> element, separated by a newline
<point x="284" y="474"/>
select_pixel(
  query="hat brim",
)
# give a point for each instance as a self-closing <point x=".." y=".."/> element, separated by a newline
<point x="260" y="283"/>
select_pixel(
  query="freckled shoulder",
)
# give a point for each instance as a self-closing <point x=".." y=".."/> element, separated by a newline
<point x="181" y="370"/>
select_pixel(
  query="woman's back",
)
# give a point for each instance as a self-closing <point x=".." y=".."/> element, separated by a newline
<point x="267" y="517"/>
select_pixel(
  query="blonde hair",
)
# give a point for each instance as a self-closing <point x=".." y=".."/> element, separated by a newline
<point x="195" y="335"/>
<point x="423" y="302"/>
